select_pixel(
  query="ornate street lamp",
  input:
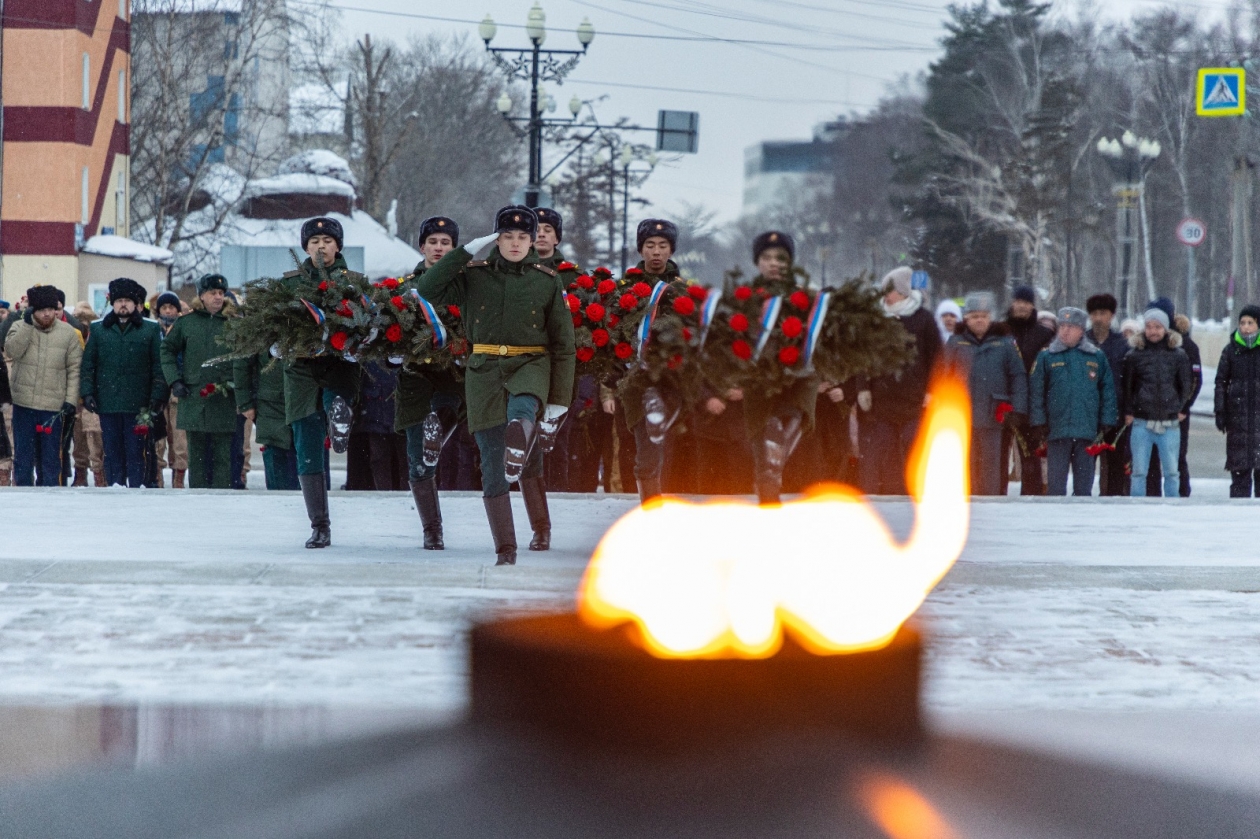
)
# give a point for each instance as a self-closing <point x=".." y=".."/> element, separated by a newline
<point x="1129" y="158"/>
<point x="535" y="65"/>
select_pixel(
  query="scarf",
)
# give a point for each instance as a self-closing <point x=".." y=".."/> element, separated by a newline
<point x="904" y="308"/>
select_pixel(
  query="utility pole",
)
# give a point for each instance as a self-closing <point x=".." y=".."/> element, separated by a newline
<point x="1240" y="234"/>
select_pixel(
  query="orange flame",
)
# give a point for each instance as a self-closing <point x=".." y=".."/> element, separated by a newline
<point x="725" y="579"/>
<point x="900" y="810"/>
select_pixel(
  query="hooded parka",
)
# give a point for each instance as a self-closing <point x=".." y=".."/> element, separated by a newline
<point x="1238" y="403"/>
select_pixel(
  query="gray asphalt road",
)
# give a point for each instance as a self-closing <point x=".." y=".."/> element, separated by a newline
<point x="1207" y="449"/>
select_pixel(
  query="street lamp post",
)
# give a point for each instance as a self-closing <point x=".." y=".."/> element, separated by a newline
<point x="535" y="65"/>
<point x="1130" y="158"/>
<point x="629" y="154"/>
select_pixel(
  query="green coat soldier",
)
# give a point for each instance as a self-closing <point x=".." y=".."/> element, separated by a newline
<point x="121" y="376"/>
<point x="207" y="412"/>
<point x="522" y="364"/>
<point x="259" y="386"/>
<point x="318" y="392"/>
<point x="428" y="402"/>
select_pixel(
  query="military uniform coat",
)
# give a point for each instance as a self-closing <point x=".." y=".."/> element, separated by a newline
<point x="416" y="385"/>
<point x="259" y="384"/>
<point x="192" y="341"/>
<point x="1071" y="391"/>
<point x="304" y="377"/>
<point x="507" y="304"/>
<point x="122" y="365"/>
<point x="631" y="387"/>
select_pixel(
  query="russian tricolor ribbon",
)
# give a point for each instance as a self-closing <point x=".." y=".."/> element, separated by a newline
<point x="769" y="317"/>
<point x="440" y="338"/>
<point x="315" y="311"/>
<point x="649" y="317"/>
<point x="708" y="311"/>
<point x="813" y="330"/>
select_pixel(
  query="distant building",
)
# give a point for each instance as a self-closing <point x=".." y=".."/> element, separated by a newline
<point x="775" y="171"/>
<point x="66" y="147"/>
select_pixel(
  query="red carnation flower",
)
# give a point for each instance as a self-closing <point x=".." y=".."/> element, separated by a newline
<point x="599" y="337"/>
<point x="208" y="390"/>
<point x="634" y="272"/>
<point x="789" y="356"/>
<point x="641" y="289"/>
<point x="585" y="354"/>
<point x="577" y="321"/>
<point x="574" y="304"/>
<point x="623" y="350"/>
<point x="1041" y="452"/>
<point x="628" y="302"/>
<point x="453" y="311"/>
<point x="675" y="361"/>
<point x="1000" y="412"/>
<point x="792" y="326"/>
<point x="140" y="430"/>
<point x="602" y="272"/>
<point x="338" y="341"/>
<point x="345" y="311"/>
<point x="684" y="306"/>
<point x="595" y="312"/>
<point x="390" y="283"/>
<point x="1094" y="450"/>
<point x="743" y="293"/>
<point x="323" y="286"/>
<point x="394" y="333"/>
<point x="698" y="292"/>
<point x="762" y="293"/>
<point x="739" y="322"/>
<point x="741" y="349"/>
<point x="800" y="300"/>
<point x="686" y="334"/>
<point x="565" y="266"/>
<point x="398" y="303"/>
<point x="613" y="320"/>
<point x="606" y="287"/>
<point x="572" y="286"/>
<point x="585" y="281"/>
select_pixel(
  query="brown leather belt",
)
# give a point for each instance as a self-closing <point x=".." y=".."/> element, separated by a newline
<point x="505" y="350"/>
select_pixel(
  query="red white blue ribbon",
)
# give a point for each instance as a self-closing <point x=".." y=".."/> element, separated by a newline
<point x="315" y="311"/>
<point x="813" y="330"/>
<point x="769" y="317"/>
<point x="708" y="312"/>
<point x="440" y="337"/>
<point x="649" y="317"/>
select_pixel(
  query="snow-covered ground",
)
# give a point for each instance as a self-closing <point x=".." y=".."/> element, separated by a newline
<point x="208" y="597"/>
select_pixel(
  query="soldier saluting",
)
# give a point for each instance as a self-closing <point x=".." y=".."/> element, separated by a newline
<point x="522" y="363"/>
<point x="428" y="400"/>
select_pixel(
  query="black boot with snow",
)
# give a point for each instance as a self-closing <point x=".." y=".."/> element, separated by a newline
<point x="502" y="528"/>
<point x="425" y="495"/>
<point x="534" y="493"/>
<point x="315" y="494"/>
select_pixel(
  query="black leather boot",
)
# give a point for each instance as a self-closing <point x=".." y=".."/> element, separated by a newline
<point x="781" y="437"/>
<point x="502" y="529"/>
<point x="534" y="492"/>
<point x="315" y="494"/>
<point x="426" y="497"/>
<point x="518" y="441"/>
<point x="649" y="488"/>
<point x="438" y="427"/>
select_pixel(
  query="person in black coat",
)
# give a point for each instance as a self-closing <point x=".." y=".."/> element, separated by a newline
<point x="1238" y="403"/>
<point x="890" y="406"/>
<point x="1157" y="390"/>
<point x="1112" y="479"/>
<point x="1031" y="337"/>
<point x="1181" y="324"/>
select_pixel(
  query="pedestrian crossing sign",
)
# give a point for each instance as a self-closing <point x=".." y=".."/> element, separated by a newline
<point x="1221" y="92"/>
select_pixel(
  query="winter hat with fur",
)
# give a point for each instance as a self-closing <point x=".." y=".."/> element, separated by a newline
<point x="1025" y="293"/>
<point x="42" y="297"/>
<point x="1250" y="311"/>
<point x="1072" y="316"/>
<point x="898" y="280"/>
<point x="978" y="301"/>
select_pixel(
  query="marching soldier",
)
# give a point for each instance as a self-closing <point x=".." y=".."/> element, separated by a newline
<point x="311" y="415"/>
<point x="523" y="354"/>
<point x="428" y="400"/>
<point x="259" y="385"/>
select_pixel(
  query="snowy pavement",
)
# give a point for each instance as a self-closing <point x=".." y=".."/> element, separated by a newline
<point x="202" y="597"/>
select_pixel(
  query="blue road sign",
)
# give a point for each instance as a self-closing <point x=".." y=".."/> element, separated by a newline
<point x="1221" y="92"/>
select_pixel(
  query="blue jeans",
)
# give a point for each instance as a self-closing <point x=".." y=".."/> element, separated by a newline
<point x="124" y="450"/>
<point x="1062" y="454"/>
<point x="416" y="470"/>
<point x="30" y="446"/>
<point x="494" y="483"/>
<point x="1168" y="444"/>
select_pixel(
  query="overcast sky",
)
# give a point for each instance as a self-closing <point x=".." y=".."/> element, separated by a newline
<point x="810" y="60"/>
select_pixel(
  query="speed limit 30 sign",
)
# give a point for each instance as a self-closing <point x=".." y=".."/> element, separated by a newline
<point x="1191" y="232"/>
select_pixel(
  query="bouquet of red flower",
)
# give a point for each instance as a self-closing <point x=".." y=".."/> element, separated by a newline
<point x="672" y="351"/>
<point x="410" y="330"/>
<point x="216" y="389"/>
<point x="144" y="423"/>
<point x="604" y="315"/>
<point x="1101" y="445"/>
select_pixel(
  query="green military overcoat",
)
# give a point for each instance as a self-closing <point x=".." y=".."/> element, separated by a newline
<point x="192" y="341"/>
<point x="304" y="377"/>
<point x="260" y="385"/>
<point x="122" y="365"/>
<point x="507" y="304"/>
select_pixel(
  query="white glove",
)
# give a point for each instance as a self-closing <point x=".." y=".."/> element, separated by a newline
<point x="864" y="400"/>
<point x="477" y="244"/>
<point x="554" y="412"/>
<point x="275" y="350"/>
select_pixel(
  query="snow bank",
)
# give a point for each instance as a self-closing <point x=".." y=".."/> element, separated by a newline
<point x="123" y="248"/>
<point x="319" y="162"/>
<point x="299" y="183"/>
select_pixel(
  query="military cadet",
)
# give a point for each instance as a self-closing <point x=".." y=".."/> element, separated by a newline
<point x="318" y="391"/>
<point x="428" y="401"/>
<point x="206" y="410"/>
<point x="522" y="363"/>
<point x="259" y="386"/>
<point x="651" y="408"/>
